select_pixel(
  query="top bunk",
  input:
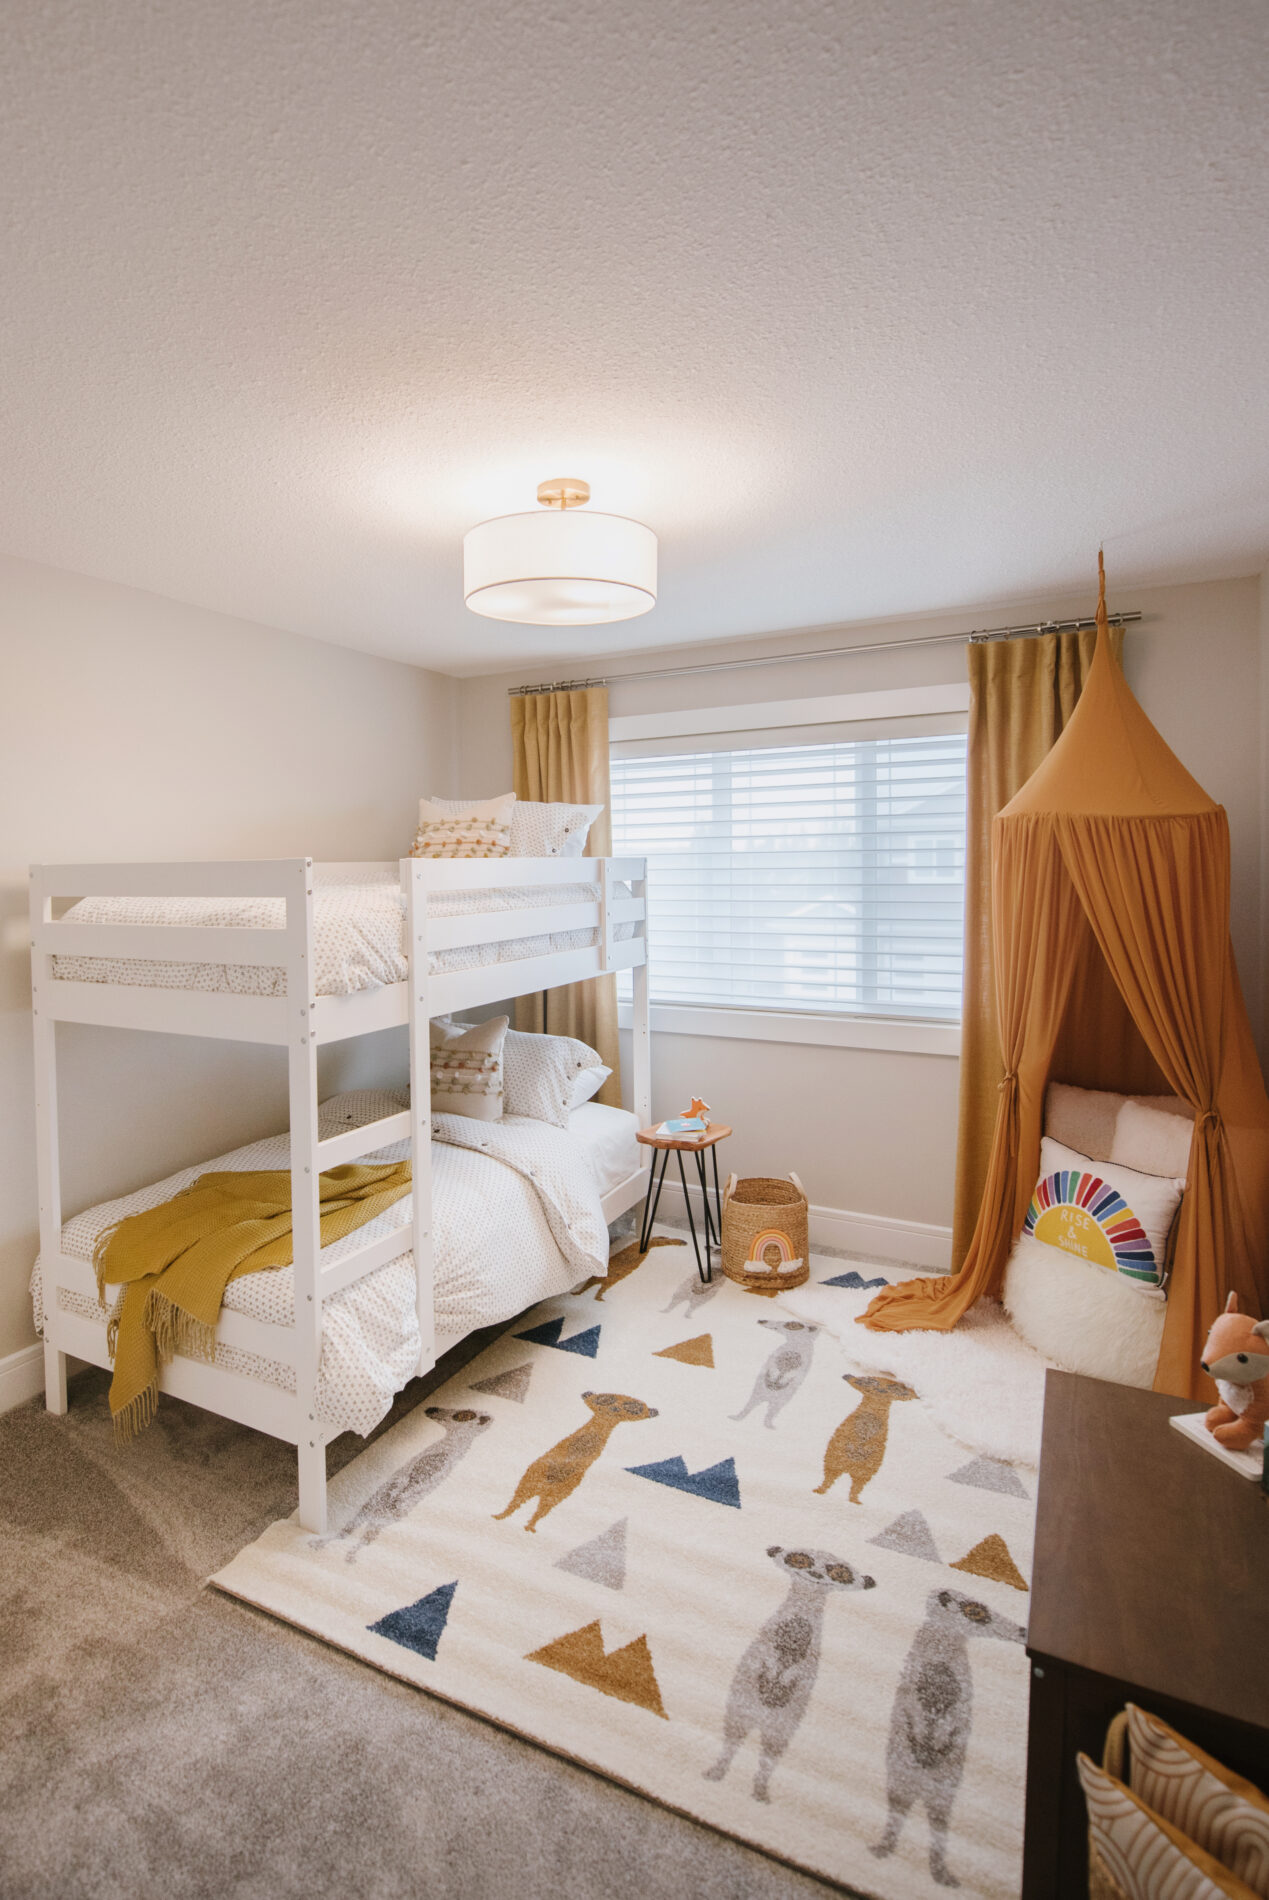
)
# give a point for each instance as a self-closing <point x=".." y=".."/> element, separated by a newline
<point x="225" y="949"/>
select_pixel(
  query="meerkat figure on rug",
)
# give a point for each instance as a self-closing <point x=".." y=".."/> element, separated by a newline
<point x="774" y="1678"/>
<point x="931" y="1719"/>
<point x="786" y="1367"/>
<point x="558" y="1472"/>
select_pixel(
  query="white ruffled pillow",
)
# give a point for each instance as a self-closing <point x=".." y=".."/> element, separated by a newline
<point x="550" y="831"/>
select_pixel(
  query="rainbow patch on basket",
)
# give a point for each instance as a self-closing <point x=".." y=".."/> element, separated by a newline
<point x="773" y="1238"/>
<point x="1082" y="1214"/>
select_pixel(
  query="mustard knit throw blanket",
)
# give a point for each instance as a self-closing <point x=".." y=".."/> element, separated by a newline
<point x="175" y="1261"/>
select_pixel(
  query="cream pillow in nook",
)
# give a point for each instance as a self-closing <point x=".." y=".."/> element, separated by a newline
<point x="1113" y="1216"/>
<point x="467" y="1068"/>
<point x="464" y="828"/>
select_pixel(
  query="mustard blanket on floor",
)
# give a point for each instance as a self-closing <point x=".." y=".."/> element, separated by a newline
<point x="174" y="1262"/>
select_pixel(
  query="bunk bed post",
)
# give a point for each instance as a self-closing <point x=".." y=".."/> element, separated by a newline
<point x="306" y="1232"/>
<point x="641" y="1017"/>
<point x="47" y="1151"/>
<point x="413" y="873"/>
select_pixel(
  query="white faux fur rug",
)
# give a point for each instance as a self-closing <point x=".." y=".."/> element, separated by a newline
<point x="981" y="1383"/>
<point x="664" y="1530"/>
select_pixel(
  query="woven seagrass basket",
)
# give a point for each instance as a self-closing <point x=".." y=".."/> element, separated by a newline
<point x="765" y="1238"/>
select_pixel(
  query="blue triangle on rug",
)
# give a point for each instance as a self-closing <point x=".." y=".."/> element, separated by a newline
<point x="419" y="1625"/>
<point x="854" y="1280"/>
<point x="719" y="1483"/>
<point x="548" y="1334"/>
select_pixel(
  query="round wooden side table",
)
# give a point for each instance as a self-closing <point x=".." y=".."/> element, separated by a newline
<point x="679" y="1145"/>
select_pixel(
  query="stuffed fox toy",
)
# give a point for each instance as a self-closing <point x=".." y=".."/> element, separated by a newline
<point x="1237" y="1357"/>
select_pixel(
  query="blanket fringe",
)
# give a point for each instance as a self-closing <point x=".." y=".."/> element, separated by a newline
<point x="176" y="1331"/>
<point x="136" y="1414"/>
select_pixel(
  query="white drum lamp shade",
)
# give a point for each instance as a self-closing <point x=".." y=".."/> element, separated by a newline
<point x="560" y="567"/>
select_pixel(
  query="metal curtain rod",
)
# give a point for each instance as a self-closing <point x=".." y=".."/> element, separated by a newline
<point x="978" y="637"/>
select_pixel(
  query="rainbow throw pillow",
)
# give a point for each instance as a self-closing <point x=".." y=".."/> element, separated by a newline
<point x="1115" y="1217"/>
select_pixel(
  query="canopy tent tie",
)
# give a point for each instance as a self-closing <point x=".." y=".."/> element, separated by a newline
<point x="1009" y="1082"/>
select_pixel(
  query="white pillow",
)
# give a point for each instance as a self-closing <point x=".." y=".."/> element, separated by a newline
<point x="587" y="1082"/>
<point x="467" y="1068"/>
<point x="1081" y="1317"/>
<point x="539" y="1073"/>
<point x="550" y="831"/>
<point x="1116" y="1217"/>
<point x="464" y="827"/>
<point x="1153" y="1141"/>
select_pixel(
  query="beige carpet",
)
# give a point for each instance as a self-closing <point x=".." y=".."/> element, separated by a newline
<point x="162" y="1739"/>
<point x="666" y="1532"/>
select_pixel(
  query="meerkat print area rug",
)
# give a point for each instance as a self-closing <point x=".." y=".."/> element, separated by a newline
<point x="663" y="1529"/>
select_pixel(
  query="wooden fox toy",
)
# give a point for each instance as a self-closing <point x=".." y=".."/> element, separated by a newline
<point x="1237" y="1357"/>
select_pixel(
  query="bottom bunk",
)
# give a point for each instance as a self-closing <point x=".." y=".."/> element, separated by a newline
<point x="520" y="1213"/>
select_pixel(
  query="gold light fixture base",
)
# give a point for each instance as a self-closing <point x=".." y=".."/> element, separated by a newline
<point x="563" y="491"/>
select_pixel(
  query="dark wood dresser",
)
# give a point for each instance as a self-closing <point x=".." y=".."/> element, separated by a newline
<point x="1150" y="1585"/>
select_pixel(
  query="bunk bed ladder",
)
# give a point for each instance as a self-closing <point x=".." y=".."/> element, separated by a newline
<point x="47" y="1150"/>
<point x="305" y="1202"/>
<point x="413" y="875"/>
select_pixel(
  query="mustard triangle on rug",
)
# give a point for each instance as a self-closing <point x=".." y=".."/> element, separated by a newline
<point x="692" y="1352"/>
<point x="990" y="1558"/>
<point x="626" y="1674"/>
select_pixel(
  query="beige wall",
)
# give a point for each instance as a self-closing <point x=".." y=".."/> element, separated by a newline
<point x="874" y="1132"/>
<point x="138" y="728"/>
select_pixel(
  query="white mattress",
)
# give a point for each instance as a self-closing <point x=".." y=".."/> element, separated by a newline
<point x="606" y="1137"/>
<point x="358" y="928"/>
<point x="516" y="1219"/>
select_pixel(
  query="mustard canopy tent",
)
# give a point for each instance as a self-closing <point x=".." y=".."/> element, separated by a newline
<point x="1114" y="970"/>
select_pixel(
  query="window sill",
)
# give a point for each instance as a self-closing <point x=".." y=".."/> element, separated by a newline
<point x="832" y="1032"/>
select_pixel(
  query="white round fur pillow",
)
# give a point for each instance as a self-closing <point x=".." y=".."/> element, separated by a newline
<point x="1082" y="1316"/>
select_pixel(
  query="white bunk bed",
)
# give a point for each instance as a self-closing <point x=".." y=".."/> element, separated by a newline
<point x="301" y="1021"/>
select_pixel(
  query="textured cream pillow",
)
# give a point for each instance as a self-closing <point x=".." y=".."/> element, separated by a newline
<point x="1148" y="1132"/>
<point x="464" y="828"/>
<point x="1221" y="1812"/>
<point x="467" y="1068"/>
<point x="1146" y="1856"/>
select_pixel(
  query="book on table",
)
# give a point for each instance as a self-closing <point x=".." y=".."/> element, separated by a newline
<point x="683" y="1125"/>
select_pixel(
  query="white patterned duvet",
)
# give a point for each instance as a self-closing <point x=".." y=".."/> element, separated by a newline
<point x="517" y="1218"/>
<point x="358" y="930"/>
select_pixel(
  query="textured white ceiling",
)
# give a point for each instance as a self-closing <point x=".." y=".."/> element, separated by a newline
<point x="868" y="308"/>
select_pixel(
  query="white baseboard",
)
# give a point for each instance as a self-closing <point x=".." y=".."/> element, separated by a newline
<point x="21" y="1376"/>
<point x="914" y="1243"/>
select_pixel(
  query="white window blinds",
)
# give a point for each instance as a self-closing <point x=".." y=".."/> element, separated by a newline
<point x="812" y="877"/>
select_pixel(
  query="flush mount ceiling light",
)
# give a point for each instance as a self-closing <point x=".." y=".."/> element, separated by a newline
<point x="561" y="567"/>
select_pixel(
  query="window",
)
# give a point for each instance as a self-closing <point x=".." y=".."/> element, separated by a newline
<point x="818" y="877"/>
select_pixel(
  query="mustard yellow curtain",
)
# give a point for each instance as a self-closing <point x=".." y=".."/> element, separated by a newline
<point x="1022" y="693"/>
<point x="559" y="749"/>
